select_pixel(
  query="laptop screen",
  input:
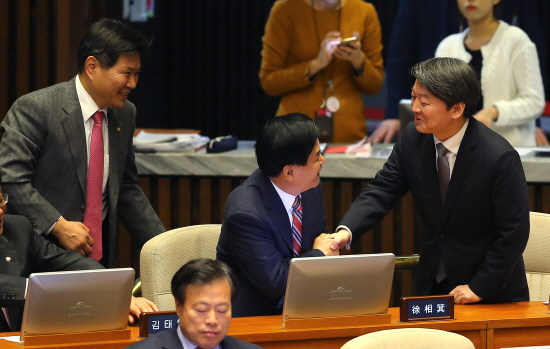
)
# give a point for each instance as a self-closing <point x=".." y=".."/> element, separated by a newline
<point x="339" y="285"/>
<point x="77" y="301"/>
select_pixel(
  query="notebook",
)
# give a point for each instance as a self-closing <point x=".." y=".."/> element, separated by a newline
<point x="339" y="285"/>
<point x="77" y="301"/>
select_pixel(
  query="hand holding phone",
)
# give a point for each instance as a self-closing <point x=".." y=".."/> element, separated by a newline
<point x="348" y="41"/>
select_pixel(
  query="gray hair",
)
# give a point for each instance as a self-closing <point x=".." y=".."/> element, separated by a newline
<point x="450" y="79"/>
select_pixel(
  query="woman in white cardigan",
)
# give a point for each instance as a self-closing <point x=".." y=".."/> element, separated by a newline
<point x="511" y="82"/>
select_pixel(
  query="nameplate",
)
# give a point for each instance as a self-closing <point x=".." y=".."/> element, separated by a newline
<point x="151" y="323"/>
<point x="427" y="308"/>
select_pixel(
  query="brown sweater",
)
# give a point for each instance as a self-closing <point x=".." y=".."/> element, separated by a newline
<point x="290" y="43"/>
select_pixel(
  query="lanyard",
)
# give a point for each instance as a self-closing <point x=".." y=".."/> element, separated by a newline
<point x="329" y="81"/>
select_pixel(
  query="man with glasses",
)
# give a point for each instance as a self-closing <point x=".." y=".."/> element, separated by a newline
<point x="23" y="252"/>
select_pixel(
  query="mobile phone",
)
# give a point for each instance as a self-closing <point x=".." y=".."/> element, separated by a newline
<point x="348" y="41"/>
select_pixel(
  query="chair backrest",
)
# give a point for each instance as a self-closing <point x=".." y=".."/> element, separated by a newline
<point x="537" y="257"/>
<point x="410" y="338"/>
<point x="164" y="254"/>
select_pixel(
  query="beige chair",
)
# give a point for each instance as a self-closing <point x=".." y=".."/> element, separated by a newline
<point x="410" y="338"/>
<point x="537" y="257"/>
<point x="164" y="254"/>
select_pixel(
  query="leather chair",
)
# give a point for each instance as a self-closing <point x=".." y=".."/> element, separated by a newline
<point x="537" y="257"/>
<point x="410" y="338"/>
<point x="164" y="254"/>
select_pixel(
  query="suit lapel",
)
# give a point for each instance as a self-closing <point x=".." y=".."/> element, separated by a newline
<point x="73" y="126"/>
<point x="114" y="152"/>
<point x="463" y="161"/>
<point x="276" y="210"/>
<point x="428" y="159"/>
<point x="307" y="224"/>
<point x="10" y="267"/>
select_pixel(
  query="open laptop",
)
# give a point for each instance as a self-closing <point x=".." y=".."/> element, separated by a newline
<point x="339" y="285"/>
<point x="406" y="114"/>
<point x="77" y="301"/>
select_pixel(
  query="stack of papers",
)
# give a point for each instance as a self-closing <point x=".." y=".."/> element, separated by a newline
<point x="185" y="142"/>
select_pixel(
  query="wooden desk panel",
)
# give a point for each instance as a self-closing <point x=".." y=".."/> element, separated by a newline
<point x="487" y="326"/>
<point x="268" y="332"/>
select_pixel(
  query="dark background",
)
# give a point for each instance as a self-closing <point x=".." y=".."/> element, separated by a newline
<point x="203" y="70"/>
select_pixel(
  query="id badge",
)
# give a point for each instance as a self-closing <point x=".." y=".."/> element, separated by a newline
<point x="325" y="124"/>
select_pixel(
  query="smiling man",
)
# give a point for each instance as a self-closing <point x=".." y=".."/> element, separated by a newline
<point x="275" y="215"/>
<point x="203" y="290"/>
<point x="67" y="157"/>
<point x="468" y="185"/>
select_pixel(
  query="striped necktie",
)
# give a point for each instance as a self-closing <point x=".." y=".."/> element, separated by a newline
<point x="297" y="226"/>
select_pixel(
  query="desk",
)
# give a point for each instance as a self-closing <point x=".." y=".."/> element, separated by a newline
<point x="487" y="326"/>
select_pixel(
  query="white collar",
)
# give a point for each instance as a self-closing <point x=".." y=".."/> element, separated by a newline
<point x="452" y="144"/>
<point x="286" y="198"/>
<point x="87" y="103"/>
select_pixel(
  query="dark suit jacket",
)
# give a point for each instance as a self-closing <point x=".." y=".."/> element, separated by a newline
<point x="170" y="340"/>
<point x="29" y="253"/>
<point x="482" y="229"/>
<point x="256" y="242"/>
<point x="43" y="164"/>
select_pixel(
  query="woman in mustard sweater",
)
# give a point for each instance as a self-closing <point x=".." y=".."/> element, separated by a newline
<point x="304" y="62"/>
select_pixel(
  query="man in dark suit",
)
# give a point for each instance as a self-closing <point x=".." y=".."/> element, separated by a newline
<point x="258" y="234"/>
<point x="471" y="194"/>
<point x="67" y="154"/>
<point x="23" y="252"/>
<point x="203" y="290"/>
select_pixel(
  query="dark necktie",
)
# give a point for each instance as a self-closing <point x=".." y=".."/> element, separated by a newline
<point x="297" y="226"/>
<point x="443" y="171"/>
<point x="444" y="174"/>
<point x="93" y="216"/>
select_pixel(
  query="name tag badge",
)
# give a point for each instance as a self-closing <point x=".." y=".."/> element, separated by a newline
<point x="427" y="308"/>
<point x="156" y="322"/>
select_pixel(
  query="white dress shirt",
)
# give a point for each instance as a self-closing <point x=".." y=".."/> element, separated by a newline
<point x="452" y="144"/>
<point x="287" y="199"/>
<point x="89" y="107"/>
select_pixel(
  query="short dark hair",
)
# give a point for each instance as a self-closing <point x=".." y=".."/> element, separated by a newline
<point x="201" y="272"/>
<point x="285" y="140"/>
<point x="450" y="79"/>
<point x="107" y="39"/>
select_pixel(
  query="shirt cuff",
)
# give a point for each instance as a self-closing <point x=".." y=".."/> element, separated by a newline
<point x="53" y="225"/>
<point x="348" y="245"/>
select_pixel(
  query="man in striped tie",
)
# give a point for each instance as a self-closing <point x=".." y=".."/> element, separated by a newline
<point x="275" y="215"/>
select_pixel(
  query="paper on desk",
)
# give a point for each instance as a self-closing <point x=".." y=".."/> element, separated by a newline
<point x="362" y="147"/>
<point x="169" y="141"/>
<point x="15" y="339"/>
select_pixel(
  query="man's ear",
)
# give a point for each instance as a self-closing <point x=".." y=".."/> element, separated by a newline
<point x="288" y="172"/>
<point x="91" y="66"/>
<point x="458" y="110"/>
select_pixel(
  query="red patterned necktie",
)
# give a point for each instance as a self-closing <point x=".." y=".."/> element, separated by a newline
<point x="94" y="191"/>
<point x="297" y="226"/>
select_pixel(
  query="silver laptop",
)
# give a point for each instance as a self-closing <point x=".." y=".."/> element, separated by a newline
<point x="339" y="285"/>
<point x="77" y="301"/>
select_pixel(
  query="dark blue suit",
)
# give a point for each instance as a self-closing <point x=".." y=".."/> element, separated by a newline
<point x="170" y="340"/>
<point x="256" y="242"/>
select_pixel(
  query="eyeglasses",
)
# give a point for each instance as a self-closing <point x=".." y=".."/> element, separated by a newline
<point x="3" y="199"/>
